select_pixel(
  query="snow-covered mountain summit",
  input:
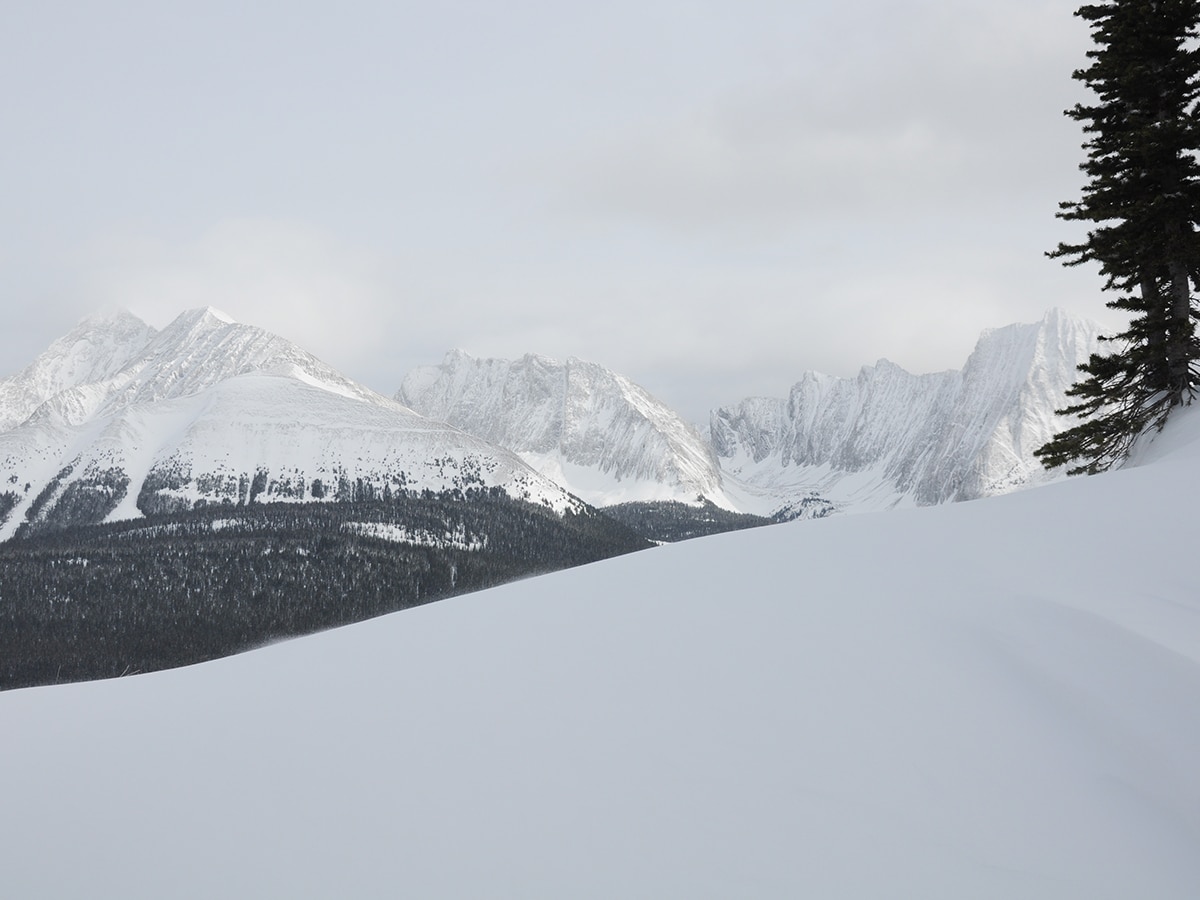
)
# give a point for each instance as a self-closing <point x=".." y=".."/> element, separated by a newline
<point x="203" y="347"/>
<point x="92" y="352"/>
<point x="593" y="431"/>
<point x="888" y="437"/>
<point x="198" y="350"/>
<point x="212" y="411"/>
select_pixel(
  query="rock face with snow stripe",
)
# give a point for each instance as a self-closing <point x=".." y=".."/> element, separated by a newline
<point x="888" y="437"/>
<point x="595" y="432"/>
<point x="211" y="411"/>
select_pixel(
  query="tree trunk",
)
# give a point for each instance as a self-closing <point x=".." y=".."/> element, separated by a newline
<point x="1179" y="331"/>
<point x="1158" y="338"/>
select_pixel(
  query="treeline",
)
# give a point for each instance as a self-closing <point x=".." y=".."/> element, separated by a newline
<point x="108" y="600"/>
<point x="667" y="521"/>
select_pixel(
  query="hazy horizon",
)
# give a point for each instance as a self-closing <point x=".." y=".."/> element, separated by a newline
<point x="710" y="199"/>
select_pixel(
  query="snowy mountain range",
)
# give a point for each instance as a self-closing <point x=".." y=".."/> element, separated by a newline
<point x="593" y="431"/>
<point x="886" y="438"/>
<point x="116" y="420"/>
<point x="890" y="438"/>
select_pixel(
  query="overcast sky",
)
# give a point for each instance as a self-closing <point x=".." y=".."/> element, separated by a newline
<point x="708" y="196"/>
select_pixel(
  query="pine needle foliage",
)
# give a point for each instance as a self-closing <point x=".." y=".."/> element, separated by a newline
<point x="1143" y="196"/>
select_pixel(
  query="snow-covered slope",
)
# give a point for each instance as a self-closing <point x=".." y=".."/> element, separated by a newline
<point x="889" y="438"/>
<point x="976" y="700"/>
<point x="593" y="431"/>
<point x="210" y="410"/>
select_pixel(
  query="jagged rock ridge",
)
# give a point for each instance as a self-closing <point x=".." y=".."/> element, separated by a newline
<point x="888" y="437"/>
<point x="595" y="432"/>
<point x="883" y="439"/>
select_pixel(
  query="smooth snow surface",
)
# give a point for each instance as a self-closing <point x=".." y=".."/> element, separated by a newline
<point x="998" y="699"/>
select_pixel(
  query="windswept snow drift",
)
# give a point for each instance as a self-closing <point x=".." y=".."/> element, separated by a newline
<point x="993" y="699"/>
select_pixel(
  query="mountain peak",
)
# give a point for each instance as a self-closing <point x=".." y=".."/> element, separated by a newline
<point x="201" y="318"/>
<point x="107" y="317"/>
<point x="202" y="347"/>
<point x="202" y="412"/>
<point x="208" y="314"/>
<point x="595" y="432"/>
<point x="96" y="349"/>
<point x="214" y="313"/>
<point x="888" y="436"/>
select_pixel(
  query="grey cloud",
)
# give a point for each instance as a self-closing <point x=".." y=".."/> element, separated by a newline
<point x="694" y="193"/>
<point x="921" y="112"/>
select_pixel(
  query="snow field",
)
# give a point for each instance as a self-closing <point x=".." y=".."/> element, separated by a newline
<point x="992" y="699"/>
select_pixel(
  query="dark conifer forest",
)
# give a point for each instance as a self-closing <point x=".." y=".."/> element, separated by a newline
<point x="668" y="521"/>
<point x="103" y="601"/>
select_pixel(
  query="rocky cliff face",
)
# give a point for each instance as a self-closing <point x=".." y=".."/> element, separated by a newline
<point x="888" y="437"/>
<point x="595" y="432"/>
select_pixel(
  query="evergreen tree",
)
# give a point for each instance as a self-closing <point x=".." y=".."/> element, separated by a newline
<point x="1143" y="197"/>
